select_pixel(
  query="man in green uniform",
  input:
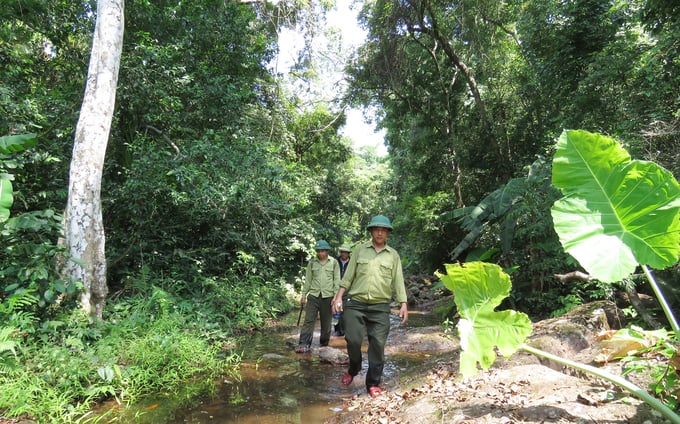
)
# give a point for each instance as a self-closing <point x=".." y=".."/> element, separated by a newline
<point x="343" y="261"/>
<point x="321" y="282"/>
<point x="373" y="278"/>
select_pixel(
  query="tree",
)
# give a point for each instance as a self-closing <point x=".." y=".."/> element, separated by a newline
<point x="83" y="225"/>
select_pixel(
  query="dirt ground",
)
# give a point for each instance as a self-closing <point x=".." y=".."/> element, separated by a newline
<point x="520" y="389"/>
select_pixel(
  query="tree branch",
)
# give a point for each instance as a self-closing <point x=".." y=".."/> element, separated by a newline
<point x="166" y="138"/>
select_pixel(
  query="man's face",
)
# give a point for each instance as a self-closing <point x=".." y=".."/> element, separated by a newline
<point x="322" y="254"/>
<point x="344" y="255"/>
<point x="379" y="235"/>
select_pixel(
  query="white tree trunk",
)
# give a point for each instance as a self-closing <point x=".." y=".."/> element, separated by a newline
<point x="83" y="226"/>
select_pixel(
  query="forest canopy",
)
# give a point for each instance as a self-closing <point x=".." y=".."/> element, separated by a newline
<point x="214" y="158"/>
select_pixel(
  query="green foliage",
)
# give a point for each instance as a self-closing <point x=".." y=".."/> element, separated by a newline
<point x="478" y="289"/>
<point x="147" y="346"/>
<point x="180" y="78"/>
<point x="223" y="196"/>
<point x="511" y="206"/>
<point x="30" y="283"/>
<point x="482" y="287"/>
<point x="419" y="234"/>
<point x="46" y="46"/>
<point x="216" y="186"/>
<point x="29" y="260"/>
<point x="240" y="301"/>
<point x="514" y="222"/>
<point x="578" y="294"/>
<point x="591" y="181"/>
<point x="6" y="199"/>
<point x="538" y="65"/>
<point x="652" y="345"/>
<point x="17" y="143"/>
<point x="19" y="309"/>
<point x="617" y="212"/>
<point x="564" y="37"/>
<point x="163" y="359"/>
<point x="10" y="145"/>
<point x="8" y="349"/>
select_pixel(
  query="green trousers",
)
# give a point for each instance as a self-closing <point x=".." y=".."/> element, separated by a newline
<point x="322" y="307"/>
<point x="374" y="321"/>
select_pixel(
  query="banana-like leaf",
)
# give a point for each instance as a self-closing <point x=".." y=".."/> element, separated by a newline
<point x="478" y="288"/>
<point x="10" y="144"/>
<point x="6" y="199"/>
<point x="616" y="213"/>
<point x="496" y="206"/>
<point x="15" y="143"/>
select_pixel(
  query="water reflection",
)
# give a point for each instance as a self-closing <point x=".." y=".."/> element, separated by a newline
<point x="279" y="386"/>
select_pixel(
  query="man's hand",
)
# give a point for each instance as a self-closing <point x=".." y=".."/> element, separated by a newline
<point x="303" y="300"/>
<point x="336" y="307"/>
<point x="403" y="313"/>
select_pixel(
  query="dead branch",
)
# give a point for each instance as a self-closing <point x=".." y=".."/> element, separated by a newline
<point x="573" y="276"/>
<point x="635" y="301"/>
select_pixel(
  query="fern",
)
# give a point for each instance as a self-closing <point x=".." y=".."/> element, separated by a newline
<point x="17" y="310"/>
<point x="20" y="299"/>
<point x="8" y="346"/>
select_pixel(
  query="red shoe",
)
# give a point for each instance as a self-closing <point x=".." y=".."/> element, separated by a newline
<point x="374" y="391"/>
<point x="346" y="379"/>
<point x="303" y="349"/>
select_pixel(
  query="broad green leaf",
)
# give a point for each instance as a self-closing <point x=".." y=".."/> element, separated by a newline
<point x="478" y="288"/>
<point x="11" y="287"/>
<point x="105" y="373"/>
<point x="497" y="206"/>
<point x="616" y="212"/>
<point x="49" y="296"/>
<point x="6" y="199"/>
<point x="16" y="143"/>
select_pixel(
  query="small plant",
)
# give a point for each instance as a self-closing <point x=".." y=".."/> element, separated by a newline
<point x="479" y="288"/>
<point x="8" y="346"/>
<point x="29" y="280"/>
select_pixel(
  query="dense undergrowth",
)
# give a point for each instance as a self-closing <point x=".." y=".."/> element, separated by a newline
<point x="155" y="337"/>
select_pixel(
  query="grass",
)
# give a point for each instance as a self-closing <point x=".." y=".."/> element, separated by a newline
<point x="152" y="343"/>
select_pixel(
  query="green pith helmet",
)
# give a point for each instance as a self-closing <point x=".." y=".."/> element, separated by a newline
<point x="346" y="247"/>
<point x="322" y="245"/>
<point x="379" y="221"/>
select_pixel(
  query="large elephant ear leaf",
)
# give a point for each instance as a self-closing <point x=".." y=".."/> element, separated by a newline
<point x="478" y="288"/>
<point x="616" y="213"/>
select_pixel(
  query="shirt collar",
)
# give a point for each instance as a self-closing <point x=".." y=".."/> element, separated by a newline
<point x="369" y="245"/>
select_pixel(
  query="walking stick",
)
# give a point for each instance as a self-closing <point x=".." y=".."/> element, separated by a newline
<point x="300" y="315"/>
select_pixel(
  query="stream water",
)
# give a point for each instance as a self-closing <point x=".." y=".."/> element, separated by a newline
<point x="277" y="385"/>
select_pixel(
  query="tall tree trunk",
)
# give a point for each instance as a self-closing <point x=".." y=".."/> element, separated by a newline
<point x="83" y="226"/>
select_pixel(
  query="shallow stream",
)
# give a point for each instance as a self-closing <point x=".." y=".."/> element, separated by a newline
<point x="277" y="385"/>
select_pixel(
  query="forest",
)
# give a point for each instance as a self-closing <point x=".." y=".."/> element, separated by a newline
<point x="195" y="213"/>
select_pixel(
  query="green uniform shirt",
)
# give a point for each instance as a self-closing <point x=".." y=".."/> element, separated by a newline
<point x="373" y="277"/>
<point x="321" y="279"/>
